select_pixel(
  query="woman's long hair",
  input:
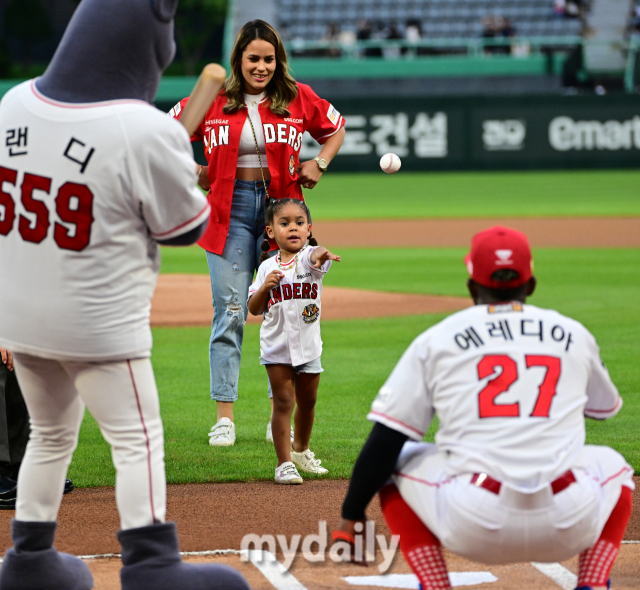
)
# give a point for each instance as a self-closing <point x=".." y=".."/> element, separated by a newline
<point x="281" y="90"/>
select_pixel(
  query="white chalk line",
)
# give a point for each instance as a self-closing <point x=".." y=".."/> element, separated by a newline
<point x="558" y="573"/>
<point x="273" y="570"/>
<point x="183" y="553"/>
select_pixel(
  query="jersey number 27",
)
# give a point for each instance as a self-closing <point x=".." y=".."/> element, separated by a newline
<point x="74" y="206"/>
<point x="487" y="406"/>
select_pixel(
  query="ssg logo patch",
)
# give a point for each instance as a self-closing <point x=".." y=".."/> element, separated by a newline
<point x="310" y="313"/>
<point x="332" y="114"/>
<point x="292" y="165"/>
<point x="504" y="307"/>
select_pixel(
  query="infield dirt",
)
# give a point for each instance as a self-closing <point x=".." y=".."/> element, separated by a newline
<point x="172" y="308"/>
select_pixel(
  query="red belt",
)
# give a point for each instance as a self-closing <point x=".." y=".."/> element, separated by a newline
<point x="482" y="480"/>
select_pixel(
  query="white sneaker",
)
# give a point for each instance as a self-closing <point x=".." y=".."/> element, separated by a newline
<point x="270" y="434"/>
<point x="306" y="461"/>
<point x="287" y="474"/>
<point x="223" y="433"/>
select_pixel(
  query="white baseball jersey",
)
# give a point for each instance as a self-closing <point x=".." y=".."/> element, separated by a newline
<point x="290" y="331"/>
<point x="510" y="384"/>
<point x="84" y="190"/>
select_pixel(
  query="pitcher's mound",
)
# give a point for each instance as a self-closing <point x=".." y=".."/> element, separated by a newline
<point x="185" y="300"/>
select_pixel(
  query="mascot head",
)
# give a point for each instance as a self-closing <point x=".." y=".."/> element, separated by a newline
<point x="112" y="49"/>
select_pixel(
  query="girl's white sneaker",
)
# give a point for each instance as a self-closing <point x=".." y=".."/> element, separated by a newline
<point x="307" y="462"/>
<point x="287" y="474"/>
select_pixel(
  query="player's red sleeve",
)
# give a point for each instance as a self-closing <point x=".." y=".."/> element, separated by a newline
<point x="323" y="118"/>
<point x="176" y="113"/>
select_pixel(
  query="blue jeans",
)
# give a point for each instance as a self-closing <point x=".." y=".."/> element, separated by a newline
<point x="231" y="275"/>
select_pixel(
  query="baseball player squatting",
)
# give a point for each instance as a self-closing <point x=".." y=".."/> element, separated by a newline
<point x="92" y="178"/>
<point x="509" y="477"/>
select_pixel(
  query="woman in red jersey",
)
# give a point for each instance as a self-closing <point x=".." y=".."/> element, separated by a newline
<point x="252" y="135"/>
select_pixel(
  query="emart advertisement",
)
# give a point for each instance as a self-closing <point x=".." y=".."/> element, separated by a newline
<point x="549" y="132"/>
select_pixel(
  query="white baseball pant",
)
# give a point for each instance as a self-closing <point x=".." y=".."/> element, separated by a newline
<point x="511" y="526"/>
<point x="123" y="398"/>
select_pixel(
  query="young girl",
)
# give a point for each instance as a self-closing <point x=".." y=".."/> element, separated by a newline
<point x="287" y="292"/>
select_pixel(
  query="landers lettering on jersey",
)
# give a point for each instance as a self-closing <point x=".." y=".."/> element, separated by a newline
<point x="216" y="136"/>
<point x="283" y="133"/>
<point x="522" y="328"/>
<point x="310" y="313"/>
<point x="293" y="291"/>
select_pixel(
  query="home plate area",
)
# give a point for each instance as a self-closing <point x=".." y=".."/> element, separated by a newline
<point x="265" y="572"/>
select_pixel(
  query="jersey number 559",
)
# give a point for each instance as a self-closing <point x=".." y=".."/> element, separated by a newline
<point x="74" y="207"/>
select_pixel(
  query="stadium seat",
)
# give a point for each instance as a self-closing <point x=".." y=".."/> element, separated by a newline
<point x="308" y="20"/>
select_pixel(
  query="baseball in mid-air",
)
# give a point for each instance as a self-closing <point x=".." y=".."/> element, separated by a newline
<point x="390" y="163"/>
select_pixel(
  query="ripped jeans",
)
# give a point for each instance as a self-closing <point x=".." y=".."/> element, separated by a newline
<point x="231" y="275"/>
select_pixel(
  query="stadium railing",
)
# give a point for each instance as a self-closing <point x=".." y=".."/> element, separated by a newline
<point x="546" y="56"/>
<point x="450" y="56"/>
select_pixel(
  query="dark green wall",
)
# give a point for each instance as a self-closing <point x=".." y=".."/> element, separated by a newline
<point x="488" y="132"/>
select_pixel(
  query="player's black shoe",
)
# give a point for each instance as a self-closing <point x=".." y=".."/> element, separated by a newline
<point x="9" y="492"/>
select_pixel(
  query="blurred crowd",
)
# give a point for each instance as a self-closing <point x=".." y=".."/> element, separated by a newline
<point x="497" y="27"/>
<point x="496" y="30"/>
<point x="569" y="8"/>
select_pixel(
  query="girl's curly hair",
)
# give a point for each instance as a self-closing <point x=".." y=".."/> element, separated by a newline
<point x="271" y="208"/>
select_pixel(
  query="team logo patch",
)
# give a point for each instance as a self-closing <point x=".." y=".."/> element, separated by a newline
<point x="292" y="165"/>
<point x="504" y="307"/>
<point x="333" y="115"/>
<point x="504" y="257"/>
<point x="310" y="313"/>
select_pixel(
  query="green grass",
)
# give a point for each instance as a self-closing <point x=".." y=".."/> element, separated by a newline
<point x="180" y="362"/>
<point x="600" y="288"/>
<point x="190" y="260"/>
<point x="409" y="195"/>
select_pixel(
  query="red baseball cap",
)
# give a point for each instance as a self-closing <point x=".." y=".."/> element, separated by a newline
<point x="499" y="248"/>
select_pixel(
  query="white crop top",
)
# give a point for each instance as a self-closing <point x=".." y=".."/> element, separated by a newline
<point x="247" y="156"/>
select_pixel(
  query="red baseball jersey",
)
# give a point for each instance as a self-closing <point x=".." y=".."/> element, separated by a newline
<point x="221" y="132"/>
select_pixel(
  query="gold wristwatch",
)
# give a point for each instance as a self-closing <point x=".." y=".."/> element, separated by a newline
<point x="322" y="163"/>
